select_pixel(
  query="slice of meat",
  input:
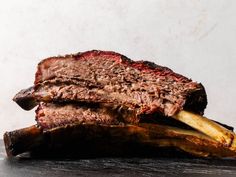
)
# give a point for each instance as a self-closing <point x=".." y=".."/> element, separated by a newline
<point x="125" y="116"/>
<point x="49" y="115"/>
<point x="108" y="77"/>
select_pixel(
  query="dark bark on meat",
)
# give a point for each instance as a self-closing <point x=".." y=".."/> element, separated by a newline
<point x="25" y="99"/>
<point x="23" y="140"/>
<point x="114" y="140"/>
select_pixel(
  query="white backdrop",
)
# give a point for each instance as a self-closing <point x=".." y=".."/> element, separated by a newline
<point x="193" y="37"/>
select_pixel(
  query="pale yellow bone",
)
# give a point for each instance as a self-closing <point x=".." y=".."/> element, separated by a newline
<point x="208" y="127"/>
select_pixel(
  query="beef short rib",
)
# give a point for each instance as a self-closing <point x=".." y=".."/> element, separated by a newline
<point x="105" y="100"/>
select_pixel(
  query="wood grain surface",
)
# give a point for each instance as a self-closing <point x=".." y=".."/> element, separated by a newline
<point x="26" y="166"/>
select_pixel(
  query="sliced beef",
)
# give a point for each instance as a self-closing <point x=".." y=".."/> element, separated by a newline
<point x="49" y="115"/>
<point x="111" y="78"/>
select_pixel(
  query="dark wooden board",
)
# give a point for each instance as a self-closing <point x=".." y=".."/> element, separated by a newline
<point x="29" y="167"/>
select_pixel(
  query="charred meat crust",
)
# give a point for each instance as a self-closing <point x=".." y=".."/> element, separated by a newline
<point x="117" y="139"/>
<point x="25" y="99"/>
<point x="196" y="101"/>
<point x="20" y="141"/>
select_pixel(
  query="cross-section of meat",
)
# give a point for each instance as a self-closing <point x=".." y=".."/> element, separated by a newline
<point x="49" y="115"/>
<point x="108" y="77"/>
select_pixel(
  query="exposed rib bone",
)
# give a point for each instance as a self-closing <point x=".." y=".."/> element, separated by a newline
<point x="208" y="127"/>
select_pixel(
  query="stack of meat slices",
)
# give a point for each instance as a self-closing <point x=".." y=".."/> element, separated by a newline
<point x="100" y="102"/>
